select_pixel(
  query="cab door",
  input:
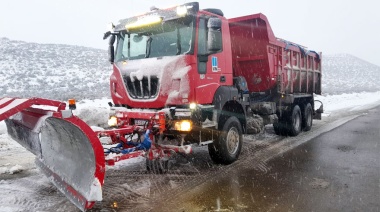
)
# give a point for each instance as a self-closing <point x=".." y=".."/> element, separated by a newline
<point x="211" y="66"/>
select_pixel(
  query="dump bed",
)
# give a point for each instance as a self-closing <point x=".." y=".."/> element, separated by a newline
<point x="270" y="64"/>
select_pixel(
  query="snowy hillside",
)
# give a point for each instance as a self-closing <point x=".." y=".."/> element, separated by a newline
<point x="344" y="73"/>
<point x="62" y="71"/>
<point x="52" y="70"/>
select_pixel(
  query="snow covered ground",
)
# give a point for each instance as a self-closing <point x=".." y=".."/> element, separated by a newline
<point x="15" y="159"/>
<point x="349" y="102"/>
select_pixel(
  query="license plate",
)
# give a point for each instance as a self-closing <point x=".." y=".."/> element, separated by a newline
<point x="140" y="122"/>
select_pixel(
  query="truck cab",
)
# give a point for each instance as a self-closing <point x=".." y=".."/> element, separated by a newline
<point x="170" y="57"/>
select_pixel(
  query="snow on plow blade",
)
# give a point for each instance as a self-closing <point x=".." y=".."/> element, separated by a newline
<point x="67" y="150"/>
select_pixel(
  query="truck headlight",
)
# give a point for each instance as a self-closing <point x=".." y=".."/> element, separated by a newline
<point x="193" y="106"/>
<point x="112" y="121"/>
<point x="183" y="125"/>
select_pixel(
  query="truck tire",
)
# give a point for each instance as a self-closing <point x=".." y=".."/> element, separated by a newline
<point x="307" y="117"/>
<point x="294" y="121"/>
<point x="280" y="128"/>
<point x="227" y="147"/>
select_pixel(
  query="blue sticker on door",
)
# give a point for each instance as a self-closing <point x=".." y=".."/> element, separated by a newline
<point x="214" y="63"/>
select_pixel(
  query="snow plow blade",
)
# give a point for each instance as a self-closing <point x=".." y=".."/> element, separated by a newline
<point x="67" y="150"/>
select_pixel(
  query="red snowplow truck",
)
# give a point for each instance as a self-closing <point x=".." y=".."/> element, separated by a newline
<point x="181" y="76"/>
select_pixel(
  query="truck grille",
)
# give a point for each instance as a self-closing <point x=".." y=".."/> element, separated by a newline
<point x="146" y="88"/>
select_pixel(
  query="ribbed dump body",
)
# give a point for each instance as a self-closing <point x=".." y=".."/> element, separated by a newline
<point x="269" y="63"/>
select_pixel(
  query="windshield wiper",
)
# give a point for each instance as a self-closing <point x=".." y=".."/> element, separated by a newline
<point x="148" y="46"/>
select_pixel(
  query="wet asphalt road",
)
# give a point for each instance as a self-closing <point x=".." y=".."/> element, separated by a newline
<point x="336" y="171"/>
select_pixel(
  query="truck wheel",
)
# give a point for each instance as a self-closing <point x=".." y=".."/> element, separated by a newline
<point x="307" y="117"/>
<point x="157" y="166"/>
<point x="280" y="128"/>
<point x="295" y="121"/>
<point x="226" y="148"/>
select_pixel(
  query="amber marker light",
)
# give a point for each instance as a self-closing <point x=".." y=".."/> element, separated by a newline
<point x="72" y="104"/>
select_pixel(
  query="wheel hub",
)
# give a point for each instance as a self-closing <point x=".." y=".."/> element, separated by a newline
<point x="233" y="140"/>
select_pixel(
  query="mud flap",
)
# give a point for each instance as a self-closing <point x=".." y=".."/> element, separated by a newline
<point x="318" y="113"/>
<point x="67" y="151"/>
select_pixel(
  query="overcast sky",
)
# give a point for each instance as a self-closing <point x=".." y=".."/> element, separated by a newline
<point x="330" y="26"/>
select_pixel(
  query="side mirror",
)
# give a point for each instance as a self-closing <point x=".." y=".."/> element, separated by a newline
<point x="214" y="41"/>
<point x="106" y="35"/>
<point x="111" y="49"/>
<point x="111" y="28"/>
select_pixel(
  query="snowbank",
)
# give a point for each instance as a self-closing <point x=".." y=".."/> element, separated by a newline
<point x="93" y="112"/>
<point x="3" y="128"/>
<point x="12" y="170"/>
<point x="349" y="102"/>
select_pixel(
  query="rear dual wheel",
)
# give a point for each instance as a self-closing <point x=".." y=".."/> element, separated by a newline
<point x="295" y="121"/>
<point x="290" y="125"/>
<point x="307" y="117"/>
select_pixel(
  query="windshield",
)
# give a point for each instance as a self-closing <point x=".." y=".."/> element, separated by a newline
<point x="167" y="39"/>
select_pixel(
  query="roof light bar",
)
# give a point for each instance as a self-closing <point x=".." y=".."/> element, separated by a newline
<point x="145" y="21"/>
